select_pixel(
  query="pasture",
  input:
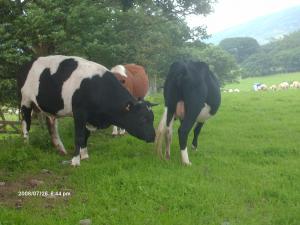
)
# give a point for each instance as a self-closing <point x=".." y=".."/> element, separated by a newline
<point x="246" y="171"/>
<point x="246" y="84"/>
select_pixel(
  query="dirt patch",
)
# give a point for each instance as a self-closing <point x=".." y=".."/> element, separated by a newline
<point x="45" y="189"/>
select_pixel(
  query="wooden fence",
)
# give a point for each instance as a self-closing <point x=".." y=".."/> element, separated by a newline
<point x="7" y="126"/>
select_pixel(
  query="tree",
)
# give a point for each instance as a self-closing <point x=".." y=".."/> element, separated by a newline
<point x="148" y="32"/>
<point x="240" y="47"/>
<point x="221" y="63"/>
<point x="278" y="56"/>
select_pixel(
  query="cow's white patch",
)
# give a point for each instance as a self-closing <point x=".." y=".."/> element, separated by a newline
<point x="185" y="157"/>
<point x="75" y="161"/>
<point x="120" y="69"/>
<point x="118" y="131"/>
<point x="85" y="69"/>
<point x="122" y="131"/>
<point x="115" y="131"/>
<point x="90" y="127"/>
<point x="24" y="130"/>
<point x="204" y="113"/>
<point x="84" y="153"/>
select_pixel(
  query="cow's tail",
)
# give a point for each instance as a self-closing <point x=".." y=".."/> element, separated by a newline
<point x="161" y="133"/>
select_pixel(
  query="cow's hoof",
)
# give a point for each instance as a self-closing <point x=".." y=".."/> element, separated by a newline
<point x="75" y="161"/>
<point x="84" y="154"/>
<point x="194" y="148"/>
<point x="26" y="139"/>
<point x="168" y="157"/>
<point x="187" y="163"/>
<point x="62" y="151"/>
<point x="185" y="157"/>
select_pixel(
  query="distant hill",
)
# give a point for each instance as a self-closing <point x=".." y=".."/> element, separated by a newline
<point x="265" y="28"/>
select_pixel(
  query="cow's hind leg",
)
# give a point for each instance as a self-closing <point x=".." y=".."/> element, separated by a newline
<point x="83" y="151"/>
<point x="197" y="131"/>
<point x="183" y="132"/>
<point x="53" y="131"/>
<point x="160" y="133"/>
<point x="26" y="120"/>
<point x="80" y="136"/>
<point x="169" y="134"/>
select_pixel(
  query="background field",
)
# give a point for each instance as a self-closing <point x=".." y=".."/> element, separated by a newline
<point x="247" y="84"/>
<point x="246" y="170"/>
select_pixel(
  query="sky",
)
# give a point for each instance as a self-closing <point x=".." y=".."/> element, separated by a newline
<point x="228" y="13"/>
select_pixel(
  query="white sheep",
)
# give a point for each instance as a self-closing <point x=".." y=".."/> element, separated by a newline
<point x="284" y="85"/>
<point x="273" y="87"/>
<point x="295" y="84"/>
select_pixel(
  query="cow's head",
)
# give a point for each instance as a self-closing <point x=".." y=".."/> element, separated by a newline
<point x="138" y="119"/>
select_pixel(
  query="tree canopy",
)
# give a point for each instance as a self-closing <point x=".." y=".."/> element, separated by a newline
<point x="279" y="56"/>
<point x="240" y="47"/>
<point x="152" y="33"/>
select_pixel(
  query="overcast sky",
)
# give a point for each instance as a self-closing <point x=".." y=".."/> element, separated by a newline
<point x="228" y="13"/>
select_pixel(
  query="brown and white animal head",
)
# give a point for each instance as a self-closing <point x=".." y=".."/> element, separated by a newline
<point x="134" y="78"/>
<point x="120" y="73"/>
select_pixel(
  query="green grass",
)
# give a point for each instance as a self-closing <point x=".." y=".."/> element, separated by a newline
<point x="247" y="84"/>
<point x="246" y="171"/>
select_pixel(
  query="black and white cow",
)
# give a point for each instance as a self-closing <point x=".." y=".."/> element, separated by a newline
<point x="72" y="86"/>
<point x="192" y="94"/>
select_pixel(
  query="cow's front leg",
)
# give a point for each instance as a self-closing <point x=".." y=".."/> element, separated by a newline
<point x="80" y="136"/>
<point x="183" y="132"/>
<point x="115" y="131"/>
<point x="26" y="120"/>
<point x="197" y="130"/>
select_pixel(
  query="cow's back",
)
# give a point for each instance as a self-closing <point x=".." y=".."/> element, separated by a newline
<point x="185" y="76"/>
<point x="52" y="81"/>
<point x="139" y="79"/>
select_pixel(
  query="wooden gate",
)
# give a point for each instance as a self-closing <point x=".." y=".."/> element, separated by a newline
<point x="8" y="126"/>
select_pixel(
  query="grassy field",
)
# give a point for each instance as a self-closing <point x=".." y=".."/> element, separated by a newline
<point x="246" y="84"/>
<point x="246" y="171"/>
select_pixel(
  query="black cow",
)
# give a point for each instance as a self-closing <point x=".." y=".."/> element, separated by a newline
<point x="192" y="94"/>
<point x="72" y="86"/>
